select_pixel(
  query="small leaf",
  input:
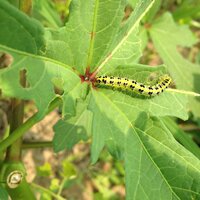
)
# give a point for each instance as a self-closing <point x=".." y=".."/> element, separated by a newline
<point x="103" y="185"/>
<point x="69" y="132"/>
<point x="44" y="170"/>
<point x="69" y="170"/>
<point x="55" y="184"/>
<point x="45" y="196"/>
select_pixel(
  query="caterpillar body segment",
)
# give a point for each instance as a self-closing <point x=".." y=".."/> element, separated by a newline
<point x="134" y="86"/>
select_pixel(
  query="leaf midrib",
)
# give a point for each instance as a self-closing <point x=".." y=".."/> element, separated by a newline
<point x="124" y="39"/>
<point x="37" y="57"/>
<point x="94" y="24"/>
<point x="157" y="140"/>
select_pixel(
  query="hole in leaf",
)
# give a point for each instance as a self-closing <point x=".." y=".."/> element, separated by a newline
<point x="187" y="53"/>
<point x="58" y="91"/>
<point x="5" y="60"/>
<point x="58" y="85"/>
<point x="127" y="13"/>
<point x="150" y="55"/>
<point x="23" y="78"/>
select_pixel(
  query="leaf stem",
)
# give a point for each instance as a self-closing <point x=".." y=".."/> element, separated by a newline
<point x="47" y="191"/>
<point x="17" y="133"/>
<point x="183" y="92"/>
<point x="91" y="48"/>
<point x="33" y="145"/>
<point x="62" y="185"/>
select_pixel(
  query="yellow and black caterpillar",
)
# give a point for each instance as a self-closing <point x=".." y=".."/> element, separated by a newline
<point x="132" y="85"/>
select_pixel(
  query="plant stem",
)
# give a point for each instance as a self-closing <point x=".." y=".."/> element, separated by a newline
<point x="33" y="145"/>
<point x="26" y="126"/>
<point x="62" y="185"/>
<point x="15" y="118"/>
<point x="47" y="191"/>
<point x="16" y="115"/>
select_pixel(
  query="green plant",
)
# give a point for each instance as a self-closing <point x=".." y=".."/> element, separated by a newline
<point x="97" y="40"/>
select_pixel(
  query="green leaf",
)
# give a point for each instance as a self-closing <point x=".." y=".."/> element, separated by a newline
<point x="147" y="150"/>
<point x="105" y="129"/>
<point x="55" y="184"/>
<point x="103" y="42"/>
<point x="40" y="75"/>
<point x="18" y="31"/>
<point x="69" y="170"/>
<point x="69" y="132"/>
<point x="44" y="170"/>
<point x="167" y="104"/>
<point x="132" y="2"/>
<point x="182" y="137"/>
<point x="119" y="44"/>
<point x="103" y="185"/>
<point x="153" y="11"/>
<point x="103" y="31"/>
<point x="44" y="10"/>
<point x="157" y="167"/>
<point x="3" y="194"/>
<point x="69" y="99"/>
<point x="187" y="11"/>
<point x="126" y="48"/>
<point x="45" y="196"/>
<point x="167" y="36"/>
<point x="86" y="22"/>
<point x="105" y="103"/>
<point x="116" y="120"/>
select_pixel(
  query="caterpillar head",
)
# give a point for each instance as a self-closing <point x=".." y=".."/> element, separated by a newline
<point x="165" y="77"/>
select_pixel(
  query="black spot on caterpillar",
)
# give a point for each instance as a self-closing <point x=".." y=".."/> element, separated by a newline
<point x="132" y="85"/>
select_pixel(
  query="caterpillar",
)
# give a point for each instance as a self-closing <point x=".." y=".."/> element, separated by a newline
<point x="126" y="84"/>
